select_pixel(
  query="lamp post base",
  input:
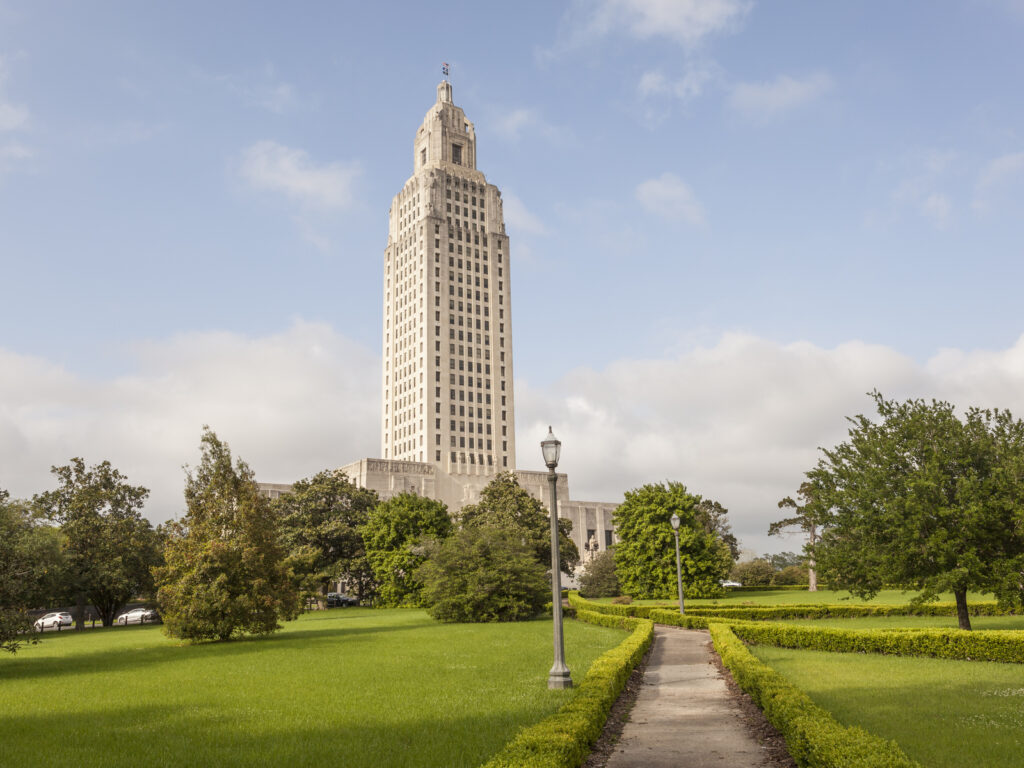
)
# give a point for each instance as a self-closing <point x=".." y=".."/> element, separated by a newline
<point x="559" y="679"/>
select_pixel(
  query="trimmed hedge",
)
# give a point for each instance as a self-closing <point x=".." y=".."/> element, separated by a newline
<point x="834" y="611"/>
<point x="768" y="588"/>
<point x="564" y="739"/>
<point x="1005" y="646"/>
<point x="813" y="737"/>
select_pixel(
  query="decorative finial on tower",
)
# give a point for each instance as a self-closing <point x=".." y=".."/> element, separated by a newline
<point x="444" y="70"/>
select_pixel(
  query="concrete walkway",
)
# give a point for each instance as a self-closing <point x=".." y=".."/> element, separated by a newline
<point x="684" y="716"/>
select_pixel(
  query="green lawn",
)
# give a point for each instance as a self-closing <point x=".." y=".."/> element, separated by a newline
<point x="351" y="687"/>
<point x="943" y="713"/>
<point x="914" y="622"/>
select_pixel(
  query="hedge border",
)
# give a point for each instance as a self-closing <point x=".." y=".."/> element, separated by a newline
<point x="564" y="739"/>
<point x="1000" y="645"/>
<point x="813" y="737"/>
<point x="1004" y="646"/>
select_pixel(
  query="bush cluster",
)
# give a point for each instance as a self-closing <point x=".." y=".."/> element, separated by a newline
<point x="814" y="738"/>
<point x="564" y="739"/>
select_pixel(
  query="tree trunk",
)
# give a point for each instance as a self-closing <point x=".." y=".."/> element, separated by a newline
<point x="962" y="616"/>
<point x="812" y="577"/>
<point x="80" y="611"/>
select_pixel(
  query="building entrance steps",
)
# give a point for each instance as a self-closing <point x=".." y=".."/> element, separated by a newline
<point x="684" y="716"/>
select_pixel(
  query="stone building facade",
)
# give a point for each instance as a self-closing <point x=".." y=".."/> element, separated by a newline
<point x="448" y="415"/>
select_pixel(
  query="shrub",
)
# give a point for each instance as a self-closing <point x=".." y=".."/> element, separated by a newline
<point x="598" y="578"/>
<point x="812" y="735"/>
<point x="622" y="600"/>
<point x="482" y="574"/>
<point x="564" y="739"/>
<point x="757" y="572"/>
<point x="791" y="574"/>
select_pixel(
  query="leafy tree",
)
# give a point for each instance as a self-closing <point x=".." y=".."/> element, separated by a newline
<point x="395" y="535"/>
<point x="791" y="574"/>
<point x="321" y="520"/>
<point x="924" y="500"/>
<point x="226" y="570"/>
<point x="809" y="515"/>
<point x="484" y="574"/>
<point x="753" y="573"/>
<point x="712" y="518"/>
<point x="30" y="564"/>
<point x="598" y="578"/>
<point x="645" y="560"/>
<point x="505" y="505"/>
<point x="109" y="548"/>
<point x="780" y="560"/>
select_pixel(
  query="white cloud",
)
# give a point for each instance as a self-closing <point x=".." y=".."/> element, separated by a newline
<point x="268" y="165"/>
<point x="290" y="404"/>
<point x="511" y="125"/>
<point x="12" y="116"/>
<point x="685" y="88"/>
<point x="668" y="196"/>
<point x="518" y="218"/>
<point x="740" y="421"/>
<point x="769" y="100"/>
<point x="684" y="21"/>
<point x="921" y="190"/>
<point x="996" y="176"/>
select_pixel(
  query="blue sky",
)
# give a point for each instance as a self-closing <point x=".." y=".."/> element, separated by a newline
<point x="729" y="220"/>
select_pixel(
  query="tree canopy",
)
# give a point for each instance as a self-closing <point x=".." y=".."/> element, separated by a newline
<point x="808" y="516"/>
<point x="226" y="571"/>
<point x="508" y="507"/>
<point x="924" y="500"/>
<point x="321" y="520"/>
<point x="645" y="553"/>
<point x="109" y="548"/>
<point x="598" y="578"/>
<point x="30" y="565"/>
<point x="395" y="536"/>
<point x="482" y="574"/>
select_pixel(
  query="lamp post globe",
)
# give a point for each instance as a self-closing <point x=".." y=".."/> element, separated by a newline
<point x="559" y="676"/>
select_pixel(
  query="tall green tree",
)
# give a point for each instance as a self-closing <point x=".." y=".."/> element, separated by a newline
<point x="808" y="516"/>
<point x="925" y="500"/>
<point x="109" y="548"/>
<point x="507" y="506"/>
<point x="645" y="559"/>
<point x="30" y="567"/>
<point x="321" y="520"/>
<point x="226" y="569"/>
<point x="396" y="536"/>
<point x="598" y="578"/>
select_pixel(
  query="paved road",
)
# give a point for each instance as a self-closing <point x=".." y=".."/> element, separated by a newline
<point x="684" y="716"/>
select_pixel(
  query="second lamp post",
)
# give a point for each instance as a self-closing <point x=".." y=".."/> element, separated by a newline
<point x="559" y="676"/>
<point x="679" y="568"/>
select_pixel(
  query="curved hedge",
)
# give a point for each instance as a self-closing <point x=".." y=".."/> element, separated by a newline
<point x="1005" y="645"/>
<point x="564" y="739"/>
<point x="813" y="737"/>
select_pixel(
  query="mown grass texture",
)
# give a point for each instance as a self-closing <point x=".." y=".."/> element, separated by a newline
<point x="348" y="687"/>
<point x="941" y="712"/>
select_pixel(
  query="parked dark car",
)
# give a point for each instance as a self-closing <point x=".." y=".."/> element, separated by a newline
<point x="338" y="600"/>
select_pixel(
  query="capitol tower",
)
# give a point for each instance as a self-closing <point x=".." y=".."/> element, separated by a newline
<point x="447" y="335"/>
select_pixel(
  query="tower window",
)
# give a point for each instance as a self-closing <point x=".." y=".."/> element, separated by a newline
<point x="423" y="157"/>
<point x="457" y="154"/>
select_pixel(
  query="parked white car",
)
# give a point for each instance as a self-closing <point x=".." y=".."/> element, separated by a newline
<point x="53" y="621"/>
<point x="731" y="584"/>
<point x="138" y="616"/>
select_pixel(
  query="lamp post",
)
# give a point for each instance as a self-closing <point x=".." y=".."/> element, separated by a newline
<point x="679" y="567"/>
<point x="559" y="676"/>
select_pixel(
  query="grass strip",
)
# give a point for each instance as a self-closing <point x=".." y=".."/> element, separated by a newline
<point x="564" y="739"/>
<point x="813" y="737"/>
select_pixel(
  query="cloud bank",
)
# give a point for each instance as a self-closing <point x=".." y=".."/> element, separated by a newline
<point x="739" y="421"/>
